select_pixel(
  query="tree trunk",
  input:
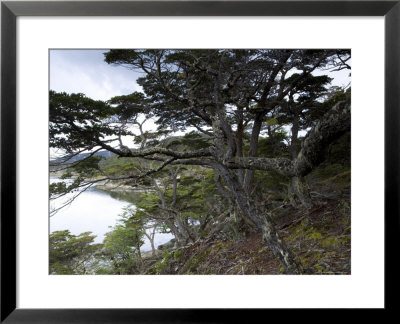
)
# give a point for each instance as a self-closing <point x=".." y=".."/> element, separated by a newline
<point x="299" y="187"/>
<point x="253" y="150"/>
<point x="291" y="196"/>
<point x="301" y="191"/>
<point x="175" y="231"/>
<point x="239" y="142"/>
<point x="263" y="223"/>
<point x="183" y="231"/>
<point x="279" y="248"/>
<point x="151" y="239"/>
<point x="139" y="255"/>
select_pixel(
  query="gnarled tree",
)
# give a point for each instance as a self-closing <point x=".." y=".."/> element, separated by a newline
<point x="226" y="99"/>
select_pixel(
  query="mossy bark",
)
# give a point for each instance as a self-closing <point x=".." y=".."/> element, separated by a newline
<point x="279" y="248"/>
<point x="301" y="191"/>
<point x="263" y="223"/>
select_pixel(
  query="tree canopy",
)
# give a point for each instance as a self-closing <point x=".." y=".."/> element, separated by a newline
<point x="237" y="116"/>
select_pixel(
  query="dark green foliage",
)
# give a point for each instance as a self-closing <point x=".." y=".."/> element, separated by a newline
<point x="335" y="95"/>
<point x="78" y="122"/>
<point x="120" y="56"/>
<point x="122" y="245"/>
<point x="192" y="141"/>
<point x="340" y="151"/>
<point x="118" y="254"/>
<point x="61" y="188"/>
<point x="273" y="146"/>
<point x="148" y="202"/>
<point x="130" y="106"/>
<point x="72" y="254"/>
<point x="121" y="166"/>
<point x="88" y="167"/>
<point x="337" y="160"/>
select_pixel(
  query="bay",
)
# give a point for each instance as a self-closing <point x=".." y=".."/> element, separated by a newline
<point x="95" y="211"/>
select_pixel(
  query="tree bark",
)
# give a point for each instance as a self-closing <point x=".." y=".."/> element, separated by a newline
<point x="150" y="236"/>
<point x="253" y="150"/>
<point x="299" y="186"/>
<point x="279" y="248"/>
<point x="263" y="223"/>
<point x="301" y="191"/>
<point x="239" y="142"/>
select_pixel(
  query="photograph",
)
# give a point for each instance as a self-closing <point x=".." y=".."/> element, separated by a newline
<point x="200" y="161"/>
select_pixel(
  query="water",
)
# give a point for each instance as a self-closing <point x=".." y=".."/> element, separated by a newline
<point x="94" y="211"/>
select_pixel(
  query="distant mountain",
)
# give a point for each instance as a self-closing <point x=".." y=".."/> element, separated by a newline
<point x="81" y="156"/>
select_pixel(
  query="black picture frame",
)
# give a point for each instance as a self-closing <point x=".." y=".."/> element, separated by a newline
<point x="10" y="10"/>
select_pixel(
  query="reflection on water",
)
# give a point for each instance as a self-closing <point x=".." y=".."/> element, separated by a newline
<point x="95" y="211"/>
<point x="127" y="196"/>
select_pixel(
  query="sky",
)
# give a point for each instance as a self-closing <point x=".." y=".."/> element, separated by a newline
<point x="84" y="71"/>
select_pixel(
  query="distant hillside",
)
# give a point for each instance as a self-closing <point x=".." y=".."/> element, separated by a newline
<point x="81" y="156"/>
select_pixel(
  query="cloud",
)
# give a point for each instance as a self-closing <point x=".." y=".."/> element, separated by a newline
<point x="84" y="71"/>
